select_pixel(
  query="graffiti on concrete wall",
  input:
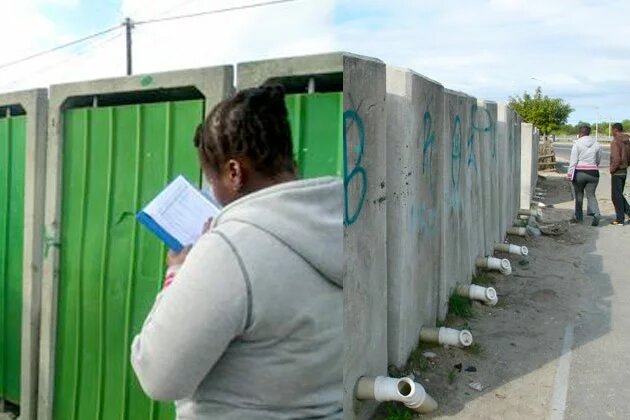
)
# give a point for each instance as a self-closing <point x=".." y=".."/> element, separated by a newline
<point x="428" y="140"/>
<point x="456" y="161"/>
<point x="470" y="142"/>
<point x="480" y="128"/>
<point x="422" y="214"/>
<point x="423" y="219"/>
<point x="490" y="128"/>
<point x="481" y="123"/>
<point x="355" y="173"/>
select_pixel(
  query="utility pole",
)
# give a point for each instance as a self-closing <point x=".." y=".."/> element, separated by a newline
<point x="597" y="124"/>
<point x="610" y="126"/>
<point x="128" y="27"/>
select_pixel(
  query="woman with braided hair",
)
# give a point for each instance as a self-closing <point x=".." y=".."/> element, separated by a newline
<point x="250" y="325"/>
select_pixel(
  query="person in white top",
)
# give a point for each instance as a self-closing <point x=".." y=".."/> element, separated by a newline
<point x="586" y="155"/>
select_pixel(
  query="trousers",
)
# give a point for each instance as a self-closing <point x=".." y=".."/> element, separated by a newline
<point x="618" y="183"/>
<point x="585" y="182"/>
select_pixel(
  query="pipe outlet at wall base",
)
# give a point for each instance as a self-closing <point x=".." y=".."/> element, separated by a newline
<point x="517" y="231"/>
<point x="497" y="264"/>
<point x="446" y="336"/>
<point x="522" y="222"/>
<point x="530" y="212"/>
<point x="512" y="249"/>
<point x="404" y="390"/>
<point x="485" y="295"/>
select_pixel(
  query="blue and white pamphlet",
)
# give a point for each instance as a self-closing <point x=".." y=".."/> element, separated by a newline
<point x="178" y="214"/>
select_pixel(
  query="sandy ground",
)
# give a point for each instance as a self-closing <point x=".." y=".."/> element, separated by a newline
<point x="563" y="293"/>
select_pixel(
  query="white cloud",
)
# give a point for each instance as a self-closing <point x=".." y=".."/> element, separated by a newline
<point x="488" y="48"/>
<point x="302" y="27"/>
<point x="251" y="34"/>
<point x="493" y="48"/>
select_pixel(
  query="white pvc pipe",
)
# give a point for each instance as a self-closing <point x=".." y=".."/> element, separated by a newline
<point x="403" y="390"/>
<point x="487" y="295"/>
<point x="520" y="222"/>
<point x="529" y="212"/>
<point x="512" y="249"/>
<point x="518" y="231"/>
<point x="492" y="263"/>
<point x="446" y="336"/>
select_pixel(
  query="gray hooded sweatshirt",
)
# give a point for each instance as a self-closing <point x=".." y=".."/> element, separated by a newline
<point x="251" y="327"/>
<point x="586" y="155"/>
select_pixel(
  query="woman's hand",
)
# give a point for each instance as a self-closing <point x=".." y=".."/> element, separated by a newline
<point x="174" y="259"/>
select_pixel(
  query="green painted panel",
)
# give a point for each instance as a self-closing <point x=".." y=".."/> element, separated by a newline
<point x="316" y="126"/>
<point x="12" y="172"/>
<point x="115" y="159"/>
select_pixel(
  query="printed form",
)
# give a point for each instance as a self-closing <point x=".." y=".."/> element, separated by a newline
<point x="181" y="210"/>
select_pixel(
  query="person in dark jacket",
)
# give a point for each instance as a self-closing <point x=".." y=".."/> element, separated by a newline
<point x="619" y="161"/>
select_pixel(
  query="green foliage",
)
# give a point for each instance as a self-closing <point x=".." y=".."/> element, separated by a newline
<point x="548" y="114"/>
<point x="460" y="307"/>
<point x="601" y="127"/>
<point x="475" y="348"/>
<point x="482" y="279"/>
<point x="396" y="411"/>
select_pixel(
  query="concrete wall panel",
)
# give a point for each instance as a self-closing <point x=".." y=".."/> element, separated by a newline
<point x="365" y="267"/>
<point x="301" y="68"/>
<point x="515" y="151"/>
<point x="34" y="103"/>
<point x="414" y="199"/>
<point x="475" y="172"/>
<point x="454" y="267"/>
<point x="487" y="120"/>
<point x="502" y="155"/>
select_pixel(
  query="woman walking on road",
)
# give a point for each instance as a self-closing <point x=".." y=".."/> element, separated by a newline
<point x="584" y="173"/>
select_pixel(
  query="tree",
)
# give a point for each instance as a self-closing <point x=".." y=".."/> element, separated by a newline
<point x="548" y="114"/>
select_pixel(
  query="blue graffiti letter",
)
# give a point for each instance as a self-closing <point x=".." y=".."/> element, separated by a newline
<point x="357" y="170"/>
<point x="427" y="149"/>
<point x="456" y="152"/>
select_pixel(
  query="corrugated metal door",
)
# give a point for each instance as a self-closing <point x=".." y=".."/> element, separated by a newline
<point x="316" y="126"/>
<point x="115" y="159"/>
<point x="12" y="167"/>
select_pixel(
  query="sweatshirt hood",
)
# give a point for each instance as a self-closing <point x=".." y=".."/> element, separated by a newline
<point x="305" y="215"/>
<point x="587" y="141"/>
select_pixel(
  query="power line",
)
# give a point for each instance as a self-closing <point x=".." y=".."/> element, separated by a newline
<point x="182" y="4"/>
<point x="59" y="47"/>
<point x="77" y="54"/>
<point x="211" y="12"/>
<point x="113" y="28"/>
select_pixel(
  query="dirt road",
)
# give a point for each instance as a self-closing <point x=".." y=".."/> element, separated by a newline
<point x="556" y="346"/>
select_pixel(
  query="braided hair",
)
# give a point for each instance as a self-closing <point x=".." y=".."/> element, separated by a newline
<point x="253" y="124"/>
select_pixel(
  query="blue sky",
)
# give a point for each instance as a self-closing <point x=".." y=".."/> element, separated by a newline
<point x="488" y="48"/>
